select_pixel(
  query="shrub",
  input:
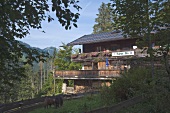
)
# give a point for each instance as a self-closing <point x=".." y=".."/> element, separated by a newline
<point x="83" y="55"/>
<point x="106" y="96"/>
<point x="131" y="83"/>
<point x="158" y="98"/>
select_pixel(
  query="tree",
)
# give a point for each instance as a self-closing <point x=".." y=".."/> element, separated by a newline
<point x="141" y="18"/>
<point x="25" y="87"/>
<point x="19" y="90"/>
<point x="164" y="47"/>
<point x="63" y="59"/>
<point x="104" y="20"/>
<point x="48" y="87"/>
<point x="17" y="17"/>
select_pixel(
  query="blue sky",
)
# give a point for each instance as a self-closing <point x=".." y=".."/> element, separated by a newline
<point x="55" y="34"/>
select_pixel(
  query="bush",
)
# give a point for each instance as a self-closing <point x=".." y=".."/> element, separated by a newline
<point x="139" y="81"/>
<point x="158" y="98"/>
<point x="132" y="83"/>
<point x="106" y="96"/>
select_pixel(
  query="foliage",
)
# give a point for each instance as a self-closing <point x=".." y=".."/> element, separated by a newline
<point x="104" y="20"/>
<point x="145" y="19"/>
<point x="158" y="97"/>
<point x="25" y="86"/>
<point x="139" y="82"/>
<point x="29" y="86"/>
<point x="70" y="83"/>
<point x="63" y="59"/>
<point x="106" y="96"/>
<point x="10" y="72"/>
<point x="17" y="17"/>
<point x="83" y="55"/>
<point x="24" y="89"/>
<point x="59" y="84"/>
<point x="48" y="87"/>
<point x="74" y="66"/>
<point x="142" y="17"/>
<point x="164" y="46"/>
<point x="134" y="82"/>
<point x="23" y="15"/>
<point x="64" y="14"/>
<point x="73" y="56"/>
<point x="80" y="105"/>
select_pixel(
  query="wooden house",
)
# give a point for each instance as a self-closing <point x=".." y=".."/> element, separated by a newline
<point x="104" y="57"/>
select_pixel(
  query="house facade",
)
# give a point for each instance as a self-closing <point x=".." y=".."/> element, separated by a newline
<point x="104" y="57"/>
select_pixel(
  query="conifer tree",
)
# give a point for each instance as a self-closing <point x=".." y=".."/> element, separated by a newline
<point x="63" y="59"/>
<point x="105" y="19"/>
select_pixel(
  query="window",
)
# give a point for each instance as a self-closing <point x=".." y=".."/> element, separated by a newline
<point x="99" y="49"/>
<point x="115" y="47"/>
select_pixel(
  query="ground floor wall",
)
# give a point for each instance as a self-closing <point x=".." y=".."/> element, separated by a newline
<point x="81" y="86"/>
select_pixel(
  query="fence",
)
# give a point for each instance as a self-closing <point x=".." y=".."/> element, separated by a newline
<point x="30" y="104"/>
<point x="20" y="106"/>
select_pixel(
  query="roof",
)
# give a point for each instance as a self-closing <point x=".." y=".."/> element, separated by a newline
<point x="95" y="38"/>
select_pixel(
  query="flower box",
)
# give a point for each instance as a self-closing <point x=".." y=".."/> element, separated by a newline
<point x="74" y="56"/>
<point x="107" y="53"/>
<point x="94" y="54"/>
<point x="83" y="55"/>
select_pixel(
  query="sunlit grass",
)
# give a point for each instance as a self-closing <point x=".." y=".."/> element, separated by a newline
<point x="80" y="105"/>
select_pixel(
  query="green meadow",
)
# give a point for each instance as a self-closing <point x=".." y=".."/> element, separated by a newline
<point x="79" y="105"/>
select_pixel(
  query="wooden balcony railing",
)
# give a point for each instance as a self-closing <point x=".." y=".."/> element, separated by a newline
<point x="88" y="73"/>
<point x="110" y="54"/>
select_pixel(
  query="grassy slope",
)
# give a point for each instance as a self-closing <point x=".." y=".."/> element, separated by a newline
<point x="74" y="106"/>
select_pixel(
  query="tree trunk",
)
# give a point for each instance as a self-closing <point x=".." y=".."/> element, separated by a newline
<point x="167" y="65"/>
<point x="44" y="75"/>
<point x="41" y="74"/>
<point x="32" y="86"/>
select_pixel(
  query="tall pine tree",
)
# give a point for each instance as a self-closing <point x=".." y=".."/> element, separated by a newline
<point x="104" y="20"/>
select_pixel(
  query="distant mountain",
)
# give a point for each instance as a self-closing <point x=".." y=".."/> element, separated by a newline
<point x="49" y="50"/>
<point x="27" y="45"/>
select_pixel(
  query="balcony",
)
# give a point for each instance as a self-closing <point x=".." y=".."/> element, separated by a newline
<point x="111" y="55"/>
<point x="101" y="73"/>
<point x="88" y="74"/>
